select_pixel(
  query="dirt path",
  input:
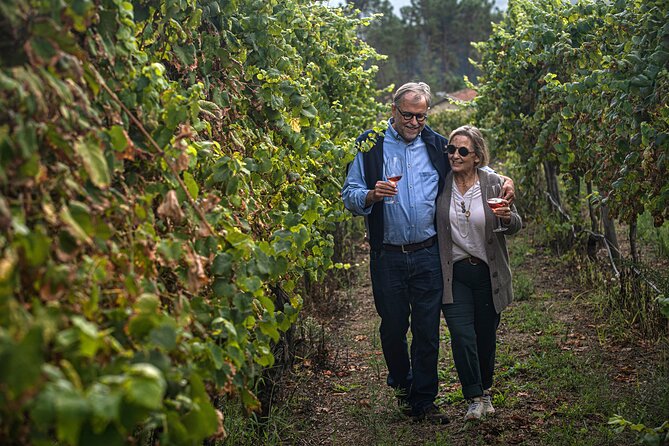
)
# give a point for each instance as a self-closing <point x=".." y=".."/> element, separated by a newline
<point x="553" y="367"/>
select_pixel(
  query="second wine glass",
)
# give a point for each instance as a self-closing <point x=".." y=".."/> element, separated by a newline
<point x="493" y="192"/>
<point x="394" y="170"/>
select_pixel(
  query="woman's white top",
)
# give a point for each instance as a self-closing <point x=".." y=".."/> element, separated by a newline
<point x="468" y="234"/>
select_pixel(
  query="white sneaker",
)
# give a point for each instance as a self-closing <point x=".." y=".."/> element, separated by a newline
<point x="475" y="410"/>
<point x="487" y="404"/>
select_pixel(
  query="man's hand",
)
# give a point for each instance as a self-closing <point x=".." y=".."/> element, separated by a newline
<point x="508" y="189"/>
<point x="381" y="190"/>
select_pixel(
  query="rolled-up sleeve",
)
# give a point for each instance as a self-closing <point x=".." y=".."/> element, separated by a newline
<point x="355" y="189"/>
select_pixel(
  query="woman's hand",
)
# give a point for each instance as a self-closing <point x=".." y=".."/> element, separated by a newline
<point x="503" y="212"/>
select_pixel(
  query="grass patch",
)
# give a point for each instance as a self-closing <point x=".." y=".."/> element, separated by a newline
<point x="627" y="304"/>
<point x="582" y="433"/>
<point x="452" y="397"/>
<point x="523" y="286"/>
<point x="567" y="392"/>
<point x="525" y="318"/>
<point x="342" y="388"/>
<point x="653" y="238"/>
<point x="520" y="249"/>
<point x="510" y="373"/>
<point x="376" y="417"/>
<point x="247" y="430"/>
<point x="377" y="362"/>
<point x="649" y="404"/>
<point x="445" y="438"/>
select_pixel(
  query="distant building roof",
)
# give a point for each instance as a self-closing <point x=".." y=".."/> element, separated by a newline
<point x="465" y="95"/>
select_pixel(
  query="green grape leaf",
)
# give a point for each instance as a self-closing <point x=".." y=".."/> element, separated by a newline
<point x="94" y="161"/>
<point x="145" y="386"/>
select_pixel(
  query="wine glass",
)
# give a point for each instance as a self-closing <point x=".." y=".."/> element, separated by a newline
<point x="394" y="169"/>
<point x="493" y="192"/>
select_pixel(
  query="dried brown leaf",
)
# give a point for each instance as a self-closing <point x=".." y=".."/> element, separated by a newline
<point x="197" y="276"/>
<point x="170" y="207"/>
<point x="181" y="163"/>
<point x="220" y="434"/>
<point x="210" y="202"/>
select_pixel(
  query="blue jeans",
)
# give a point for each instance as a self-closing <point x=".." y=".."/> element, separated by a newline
<point x="472" y="322"/>
<point x="407" y="292"/>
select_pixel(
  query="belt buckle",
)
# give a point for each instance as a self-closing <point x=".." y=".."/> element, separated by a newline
<point x="403" y="251"/>
<point x="469" y="259"/>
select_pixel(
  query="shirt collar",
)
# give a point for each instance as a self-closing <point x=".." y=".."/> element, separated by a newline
<point x="392" y="130"/>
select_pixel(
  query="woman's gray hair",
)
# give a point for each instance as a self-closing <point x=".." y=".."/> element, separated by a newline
<point x="478" y="142"/>
<point x="419" y="88"/>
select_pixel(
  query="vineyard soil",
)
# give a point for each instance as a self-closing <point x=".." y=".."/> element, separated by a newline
<point x="559" y="377"/>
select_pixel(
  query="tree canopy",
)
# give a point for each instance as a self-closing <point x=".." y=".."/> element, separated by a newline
<point x="429" y="40"/>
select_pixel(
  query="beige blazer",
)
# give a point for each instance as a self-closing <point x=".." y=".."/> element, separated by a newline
<point x="498" y="256"/>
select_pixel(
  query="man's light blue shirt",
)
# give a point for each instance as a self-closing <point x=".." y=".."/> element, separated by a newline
<point x="411" y="219"/>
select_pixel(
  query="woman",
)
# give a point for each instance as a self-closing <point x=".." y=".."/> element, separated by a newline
<point x="475" y="264"/>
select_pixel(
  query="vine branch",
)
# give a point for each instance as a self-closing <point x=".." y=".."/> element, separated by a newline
<point x="608" y="245"/>
<point x="156" y="147"/>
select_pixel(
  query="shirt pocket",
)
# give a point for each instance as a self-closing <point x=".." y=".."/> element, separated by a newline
<point x="428" y="185"/>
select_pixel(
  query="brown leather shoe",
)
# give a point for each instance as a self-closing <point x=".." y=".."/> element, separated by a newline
<point x="431" y="414"/>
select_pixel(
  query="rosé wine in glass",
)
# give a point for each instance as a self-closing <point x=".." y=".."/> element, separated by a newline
<point x="493" y="192"/>
<point x="394" y="169"/>
<point x="495" y="203"/>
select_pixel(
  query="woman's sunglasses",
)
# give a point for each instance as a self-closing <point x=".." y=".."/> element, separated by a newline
<point x="463" y="151"/>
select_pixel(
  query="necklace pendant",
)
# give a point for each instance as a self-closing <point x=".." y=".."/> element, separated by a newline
<point x="467" y="214"/>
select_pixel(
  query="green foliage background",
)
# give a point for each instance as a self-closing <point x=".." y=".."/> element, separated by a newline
<point x="166" y="168"/>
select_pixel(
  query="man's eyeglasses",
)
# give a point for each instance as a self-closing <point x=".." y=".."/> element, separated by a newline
<point x="463" y="151"/>
<point x="407" y="116"/>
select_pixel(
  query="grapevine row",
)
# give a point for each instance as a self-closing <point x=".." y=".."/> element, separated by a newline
<point x="164" y="165"/>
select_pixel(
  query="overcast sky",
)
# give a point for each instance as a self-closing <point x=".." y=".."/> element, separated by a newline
<point x="397" y="4"/>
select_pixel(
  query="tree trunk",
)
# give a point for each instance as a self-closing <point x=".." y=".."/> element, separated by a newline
<point x="594" y="221"/>
<point x="610" y="234"/>
<point x="633" y="247"/>
<point x="550" y="170"/>
<point x="593" y="240"/>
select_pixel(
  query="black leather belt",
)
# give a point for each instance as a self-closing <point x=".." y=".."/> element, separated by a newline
<point x="410" y="247"/>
